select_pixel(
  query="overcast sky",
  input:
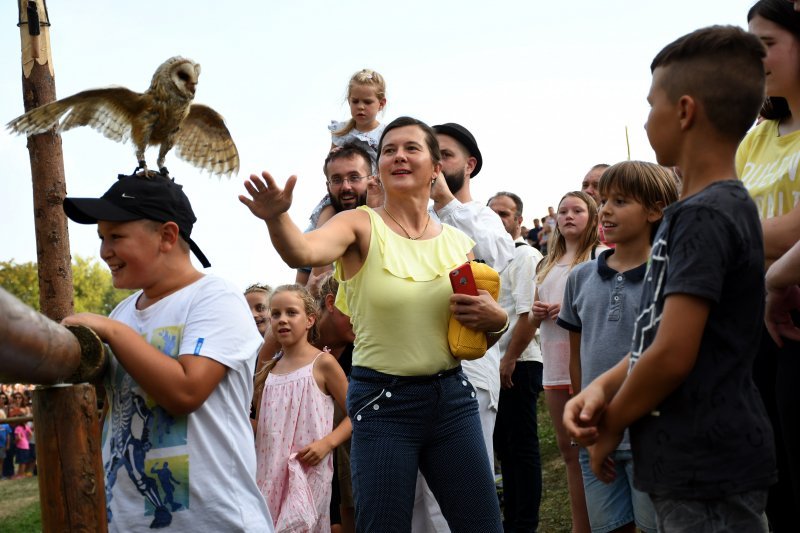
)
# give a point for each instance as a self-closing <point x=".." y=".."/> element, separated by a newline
<point x="547" y="88"/>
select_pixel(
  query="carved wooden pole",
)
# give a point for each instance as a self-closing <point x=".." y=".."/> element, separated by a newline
<point x="70" y="481"/>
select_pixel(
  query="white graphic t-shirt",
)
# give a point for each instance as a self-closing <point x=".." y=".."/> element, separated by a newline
<point x="190" y="472"/>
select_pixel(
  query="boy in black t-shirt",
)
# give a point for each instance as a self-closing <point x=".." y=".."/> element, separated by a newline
<point x="701" y="440"/>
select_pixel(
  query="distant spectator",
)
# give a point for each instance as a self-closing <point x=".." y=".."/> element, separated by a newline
<point x="5" y="443"/>
<point x="592" y="179"/>
<point x="23" y="459"/>
<point x="590" y="187"/>
<point x="533" y="234"/>
<point x="18" y="406"/>
<point x="257" y="297"/>
<point x="544" y="235"/>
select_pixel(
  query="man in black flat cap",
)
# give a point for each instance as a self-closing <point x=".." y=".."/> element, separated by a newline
<point x="453" y="204"/>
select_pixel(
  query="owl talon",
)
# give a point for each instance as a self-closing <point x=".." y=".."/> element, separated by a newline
<point x="146" y="173"/>
<point x="163" y="171"/>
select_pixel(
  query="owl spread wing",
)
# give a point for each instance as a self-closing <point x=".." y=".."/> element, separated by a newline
<point x="205" y="142"/>
<point x="110" y="111"/>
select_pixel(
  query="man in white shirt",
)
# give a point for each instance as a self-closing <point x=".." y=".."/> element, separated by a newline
<point x="453" y="203"/>
<point x="515" y="434"/>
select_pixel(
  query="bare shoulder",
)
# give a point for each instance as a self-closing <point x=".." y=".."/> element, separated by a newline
<point x="327" y="363"/>
<point x="353" y="216"/>
<point x="357" y="221"/>
<point x="327" y="373"/>
<point x="354" y="221"/>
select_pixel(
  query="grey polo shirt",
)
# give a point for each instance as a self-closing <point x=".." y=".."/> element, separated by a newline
<point x="602" y="305"/>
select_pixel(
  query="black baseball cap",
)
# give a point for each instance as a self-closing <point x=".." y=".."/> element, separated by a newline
<point x="462" y="135"/>
<point x="139" y="197"/>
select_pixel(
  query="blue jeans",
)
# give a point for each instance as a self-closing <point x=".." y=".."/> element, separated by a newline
<point x="402" y="424"/>
<point x="516" y="441"/>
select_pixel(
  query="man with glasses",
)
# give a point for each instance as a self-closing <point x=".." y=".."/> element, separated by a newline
<point x="347" y="170"/>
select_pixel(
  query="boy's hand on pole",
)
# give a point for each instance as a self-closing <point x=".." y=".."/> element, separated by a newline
<point x="98" y="323"/>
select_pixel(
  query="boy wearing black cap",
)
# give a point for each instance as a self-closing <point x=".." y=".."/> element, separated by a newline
<point x="180" y="382"/>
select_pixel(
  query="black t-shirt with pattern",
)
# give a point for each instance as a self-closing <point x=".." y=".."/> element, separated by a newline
<point x="711" y="436"/>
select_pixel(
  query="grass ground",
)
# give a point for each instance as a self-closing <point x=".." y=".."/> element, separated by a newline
<point x="19" y="498"/>
<point x="554" y="514"/>
<point x="19" y="506"/>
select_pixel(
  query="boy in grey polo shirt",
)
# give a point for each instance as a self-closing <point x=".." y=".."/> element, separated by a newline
<point x="600" y="306"/>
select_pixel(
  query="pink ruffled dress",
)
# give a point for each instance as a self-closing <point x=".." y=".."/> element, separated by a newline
<point x="294" y="413"/>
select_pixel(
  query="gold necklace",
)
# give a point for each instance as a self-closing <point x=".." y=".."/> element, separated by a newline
<point x="405" y="230"/>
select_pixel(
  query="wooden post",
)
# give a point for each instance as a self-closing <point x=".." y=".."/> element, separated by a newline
<point x="71" y="492"/>
<point x="61" y="511"/>
<point x="47" y="172"/>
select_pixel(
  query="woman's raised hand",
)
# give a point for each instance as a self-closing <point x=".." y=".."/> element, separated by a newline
<point x="268" y="200"/>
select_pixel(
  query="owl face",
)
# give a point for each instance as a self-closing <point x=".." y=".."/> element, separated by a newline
<point x="177" y="76"/>
<point x="184" y="76"/>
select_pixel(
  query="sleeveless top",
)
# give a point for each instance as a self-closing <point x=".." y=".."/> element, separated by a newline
<point x="399" y="301"/>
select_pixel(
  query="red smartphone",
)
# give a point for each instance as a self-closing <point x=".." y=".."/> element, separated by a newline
<point x="463" y="281"/>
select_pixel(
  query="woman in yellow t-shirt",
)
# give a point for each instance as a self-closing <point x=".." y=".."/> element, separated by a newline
<point x="412" y="408"/>
<point x="767" y="162"/>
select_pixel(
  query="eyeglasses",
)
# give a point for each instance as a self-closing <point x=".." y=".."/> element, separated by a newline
<point x="352" y="180"/>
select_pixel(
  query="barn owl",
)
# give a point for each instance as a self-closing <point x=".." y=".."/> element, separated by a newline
<point x="163" y="115"/>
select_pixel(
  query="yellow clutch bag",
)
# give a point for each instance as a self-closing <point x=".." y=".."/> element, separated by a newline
<point x="466" y="343"/>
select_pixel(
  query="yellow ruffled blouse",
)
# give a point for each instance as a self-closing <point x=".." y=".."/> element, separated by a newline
<point x="399" y="301"/>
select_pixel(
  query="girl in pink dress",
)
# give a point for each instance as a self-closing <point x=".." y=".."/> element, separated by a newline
<point x="294" y="432"/>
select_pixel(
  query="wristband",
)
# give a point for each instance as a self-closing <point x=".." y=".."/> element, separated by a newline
<point x="503" y="329"/>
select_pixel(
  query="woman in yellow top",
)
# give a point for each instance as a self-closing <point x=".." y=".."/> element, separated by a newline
<point x="767" y="162"/>
<point x="412" y="407"/>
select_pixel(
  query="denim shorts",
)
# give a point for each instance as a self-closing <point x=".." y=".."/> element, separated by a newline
<point x="426" y="423"/>
<point x="615" y="504"/>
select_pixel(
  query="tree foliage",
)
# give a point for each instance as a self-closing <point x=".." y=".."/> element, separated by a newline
<point x="93" y="289"/>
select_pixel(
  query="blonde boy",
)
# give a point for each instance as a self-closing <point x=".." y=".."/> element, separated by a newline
<point x="600" y="306"/>
<point x="701" y="441"/>
<point x="178" y="449"/>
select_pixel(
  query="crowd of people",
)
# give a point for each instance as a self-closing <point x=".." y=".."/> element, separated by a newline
<point x="17" y="439"/>
<point x="636" y="305"/>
